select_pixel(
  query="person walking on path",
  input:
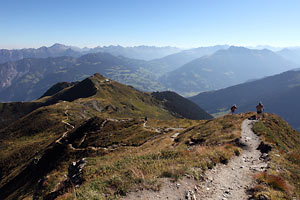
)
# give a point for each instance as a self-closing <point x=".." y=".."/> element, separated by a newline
<point x="259" y="109"/>
<point x="233" y="108"/>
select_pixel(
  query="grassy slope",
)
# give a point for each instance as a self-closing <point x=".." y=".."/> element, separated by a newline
<point x="282" y="180"/>
<point x="31" y="133"/>
<point x="109" y="98"/>
<point x="25" y="138"/>
<point x="12" y="111"/>
<point x="141" y="165"/>
<point x="131" y="156"/>
<point x="138" y="155"/>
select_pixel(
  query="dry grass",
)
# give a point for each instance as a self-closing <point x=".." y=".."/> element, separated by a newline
<point x="130" y="168"/>
<point x="276" y="182"/>
<point x="148" y="156"/>
<point x="282" y="180"/>
<point x="130" y="172"/>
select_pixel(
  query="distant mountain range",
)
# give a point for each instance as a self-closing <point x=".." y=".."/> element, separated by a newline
<point x="279" y="93"/>
<point x="224" y="68"/>
<point x="57" y="50"/>
<point x="29" y="78"/>
<point x="172" y="62"/>
<point x="137" y="52"/>
<point x="187" y="72"/>
<point x="161" y="59"/>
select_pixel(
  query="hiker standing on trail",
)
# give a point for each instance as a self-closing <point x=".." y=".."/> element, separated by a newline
<point x="259" y="109"/>
<point x="233" y="108"/>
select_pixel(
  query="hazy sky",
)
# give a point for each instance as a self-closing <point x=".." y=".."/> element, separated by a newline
<point x="182" y="23"/>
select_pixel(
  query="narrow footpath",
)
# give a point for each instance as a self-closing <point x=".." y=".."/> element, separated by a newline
<point x="223" y="182"/>
<point x="233" y="180"/>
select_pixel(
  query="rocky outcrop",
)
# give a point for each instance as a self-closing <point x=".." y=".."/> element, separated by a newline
<point x="74" y="179"/>
<point x="75" y="172"/>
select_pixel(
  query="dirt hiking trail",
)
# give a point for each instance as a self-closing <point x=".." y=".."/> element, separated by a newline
<point x="223" y="182"/>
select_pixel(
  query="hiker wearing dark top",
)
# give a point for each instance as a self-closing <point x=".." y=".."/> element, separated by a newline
<point x="233" y="108"/>
<point x="259" y="109"/>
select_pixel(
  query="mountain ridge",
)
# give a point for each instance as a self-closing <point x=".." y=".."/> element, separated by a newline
<point x="105" y="96"/>
<point x="224" y="68"/>
<point x="58" y="50"/>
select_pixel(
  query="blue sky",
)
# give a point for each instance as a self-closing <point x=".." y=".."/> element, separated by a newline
<point x="182" y="23"/>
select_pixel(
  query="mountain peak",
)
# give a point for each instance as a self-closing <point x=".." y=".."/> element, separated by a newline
<point x="98" y="77"/>
<point x="58" y="45"/>
<point x="238" y="48"/>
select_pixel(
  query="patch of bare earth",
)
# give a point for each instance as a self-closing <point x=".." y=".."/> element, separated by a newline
<point x="223" y="182"/>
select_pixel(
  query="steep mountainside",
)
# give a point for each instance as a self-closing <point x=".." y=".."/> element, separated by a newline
<point x="28" y="79"/>
<point x="172" y="62"/>
<point x="279" y="93"/>
<point x="181" y="105"/>
<point x="57" y="87"/>
<point x="224" y="68"/>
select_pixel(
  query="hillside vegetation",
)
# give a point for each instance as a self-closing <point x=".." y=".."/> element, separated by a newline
<point x="122" y="154"/>
<point x="282" y="179"/>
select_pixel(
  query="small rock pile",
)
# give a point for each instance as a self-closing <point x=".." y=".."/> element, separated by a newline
<point x="190" y="195"/>
<point x="75" y="172"/>
<point x="74" y="178"/>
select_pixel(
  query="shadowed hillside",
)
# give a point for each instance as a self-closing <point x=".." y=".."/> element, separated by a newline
<point x="181" y="105"/>
<point x="279" y="94"/>
<point x="57" y="87"/>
